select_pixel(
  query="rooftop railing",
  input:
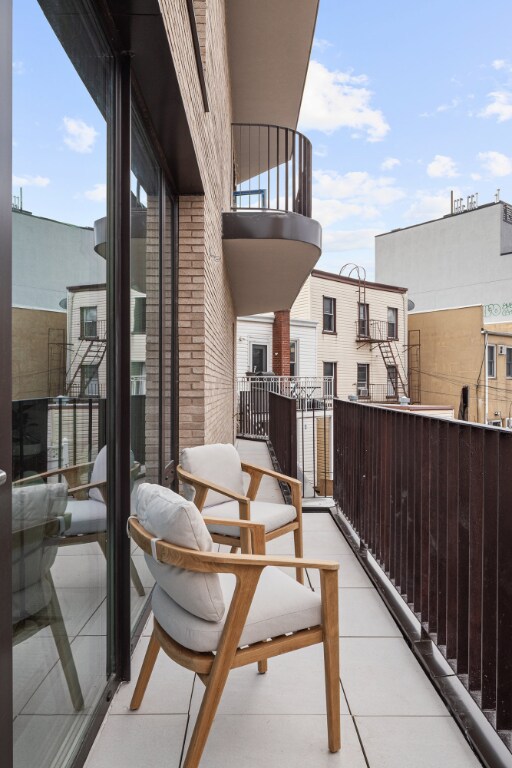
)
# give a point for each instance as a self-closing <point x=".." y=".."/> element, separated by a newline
<point x="272" y="169"/>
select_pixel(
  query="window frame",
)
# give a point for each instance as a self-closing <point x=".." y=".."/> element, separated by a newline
<point x="366" y="366"/>
<point x="83" y="322"/>
<point x="139" y="327"/>
<point x="253" y="344"/>
<point x="489" y="374"/>
<point x="334" y="376"/>
<point x="295" y="344"/>
<point x="395" y="323"/>
<point x="364" y="319"/>
<point x="332" y="315"/>
<point x="391" y="381"/>
<point x="507" y="374"/>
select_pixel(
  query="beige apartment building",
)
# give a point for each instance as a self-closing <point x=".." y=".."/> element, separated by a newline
<point x="464" y="363"/>
<point x="361" y="335"/>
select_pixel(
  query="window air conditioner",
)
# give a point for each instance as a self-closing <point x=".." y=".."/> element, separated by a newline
<point x="362" y="391"/>
<point x="508" y="423"/>
<point x="502" y="350"/>
<point x="494" y="423"/>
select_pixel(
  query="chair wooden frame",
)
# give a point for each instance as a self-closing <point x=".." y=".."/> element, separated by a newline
<point x="50" y="616"/>
<point x="80" y="491"/>
<point x="213" y="669"/>
<point x="202" y="486"/>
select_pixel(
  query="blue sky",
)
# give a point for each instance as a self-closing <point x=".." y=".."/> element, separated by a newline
<point x="403" y="103"/>
<point x="59" y="141"/>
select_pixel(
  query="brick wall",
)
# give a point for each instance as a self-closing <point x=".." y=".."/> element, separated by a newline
<point x="280" y="363"/>
<point x="206" y="316"/>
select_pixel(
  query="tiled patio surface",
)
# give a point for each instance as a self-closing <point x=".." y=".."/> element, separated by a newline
<point x="391" y="715"/>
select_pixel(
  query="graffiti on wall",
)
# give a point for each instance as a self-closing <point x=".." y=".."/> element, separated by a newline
<point x="498" y="310"/>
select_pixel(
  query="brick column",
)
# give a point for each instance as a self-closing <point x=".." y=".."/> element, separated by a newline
<point x="281" y="343"/>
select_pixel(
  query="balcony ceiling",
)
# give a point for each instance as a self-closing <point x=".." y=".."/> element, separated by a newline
<point x="268" y="256"/>
<point x="269" y="44"/>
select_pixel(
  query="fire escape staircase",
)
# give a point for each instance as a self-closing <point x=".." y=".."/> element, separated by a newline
<point x="89" y="352"/>
<point x="390" y="359"/>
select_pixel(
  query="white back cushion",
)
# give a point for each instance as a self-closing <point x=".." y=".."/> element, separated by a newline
<point x="218" y="463"/>
<point x="99" y="474"/>
<point x="169" y="516"/>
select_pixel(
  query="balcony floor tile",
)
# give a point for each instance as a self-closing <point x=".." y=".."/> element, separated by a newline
<point x="391" y="741"/>
<point x="381" y="677"/>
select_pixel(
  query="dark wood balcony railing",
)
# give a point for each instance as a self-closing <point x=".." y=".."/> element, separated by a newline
<point x="272" y="169"/>
<point x="283" y="431"/>
<point x="431" y="499"/>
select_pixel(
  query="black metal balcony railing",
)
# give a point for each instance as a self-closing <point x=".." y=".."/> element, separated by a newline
<point x="379" y="393"/>
<point x="431" y="501"/>
<point x="272" y="168"/>
<point x="93" y="329"/>
<point x="375" y="330"/>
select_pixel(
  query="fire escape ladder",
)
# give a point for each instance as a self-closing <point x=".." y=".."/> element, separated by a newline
<point x="93" y="355"/>
<point x="390" y="359"/>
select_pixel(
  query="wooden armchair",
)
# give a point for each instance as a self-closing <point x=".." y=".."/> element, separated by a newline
<point x="214" y="474"/>
<point x="87" y="507"/>
<point x="255" y="610"/>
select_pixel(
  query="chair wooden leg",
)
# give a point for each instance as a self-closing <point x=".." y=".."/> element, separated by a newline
<point x="137" y="583"/>
<point x="233" y="550"/>
<point x="134" y="574"/>
<point x="220" y="669"/>
<point x="64" y="650"/>
<point x="145" y="672"/>
<point x="330" y="621"/>
<point x="262" y="666"/>
<point x="297" y="536"/>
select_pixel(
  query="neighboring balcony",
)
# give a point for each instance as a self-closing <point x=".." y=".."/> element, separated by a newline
<point x="271" y="243"/>
<point x="375" y="330"/>
<point x="379" y="393"/>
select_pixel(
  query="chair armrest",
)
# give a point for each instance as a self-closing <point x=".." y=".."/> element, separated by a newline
<point x="202" y="487"/>
<point x="87" y="487"/>
<point x="256" y="473"/>
<point x="52" y="472"/>
<point x="257" y="530"/>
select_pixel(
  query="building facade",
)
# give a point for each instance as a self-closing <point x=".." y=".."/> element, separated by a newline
<point x="466" y="363"/>
<point x="461" y="260"/>
<point x="151" y="173"/>
<point x="258" y="346"/>
<point x="361" y="334"/>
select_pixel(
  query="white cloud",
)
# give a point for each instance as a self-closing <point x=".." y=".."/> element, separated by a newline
<point x="358" y="186"/>
<point x="79" y="137"/>
<point x="329" y="211"/>
<point x="498" y="64"/>
<point x="30" y="181"/>
<point x="389" y="163"/>
<point x="500" y="106"/>
<point x="496" y="163"/>
<point x="98" y="193"/>
<point x="18" y="67"/>
<point x="321" y="44"/>
<point x="349" y="240"/>
<point x="442" y="166"/>
<point x="430" y="205"/>
<point x="475" y="176"/>
<point x="320" y="150"/>
<point x="334" y="100"/>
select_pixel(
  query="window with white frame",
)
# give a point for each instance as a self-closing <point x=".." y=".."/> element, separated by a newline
<point x="259" y="358"/>
<point x="329" y="314"/>
<point x="491" y="361"/>
<point x="508" y="363"/>
<point x="363" y="380"/>
<point x="392" y="323"/>
<point x="294" y="357"/>
<point x="88" y="322"/>
<point x="330" y="371"/>
<point x="392" y="381"/>
<point x="89" y="381"/>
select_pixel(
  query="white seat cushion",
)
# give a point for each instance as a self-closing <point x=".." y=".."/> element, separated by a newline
<point x="218" y="463"/>
<point x="280" y="605"/>
<point x="271" y="515"/>
<point x="87" y="516"/>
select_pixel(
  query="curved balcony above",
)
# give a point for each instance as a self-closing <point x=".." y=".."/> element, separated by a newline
<point x="270" y="241"/>
<point x="272" y="168"/>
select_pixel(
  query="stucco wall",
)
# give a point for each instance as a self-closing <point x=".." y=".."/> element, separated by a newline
<point x="452" y="262"/>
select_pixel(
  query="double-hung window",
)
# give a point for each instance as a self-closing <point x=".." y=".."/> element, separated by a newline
<point x="329" y="314"/>
<point x="509" y="363"/>
<point x="363" y="312"/>
<point x="392" y="323"/>
<point x="363" y="380"/>
<point x="88" y="322"/>
<point x="491" y="361"/>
